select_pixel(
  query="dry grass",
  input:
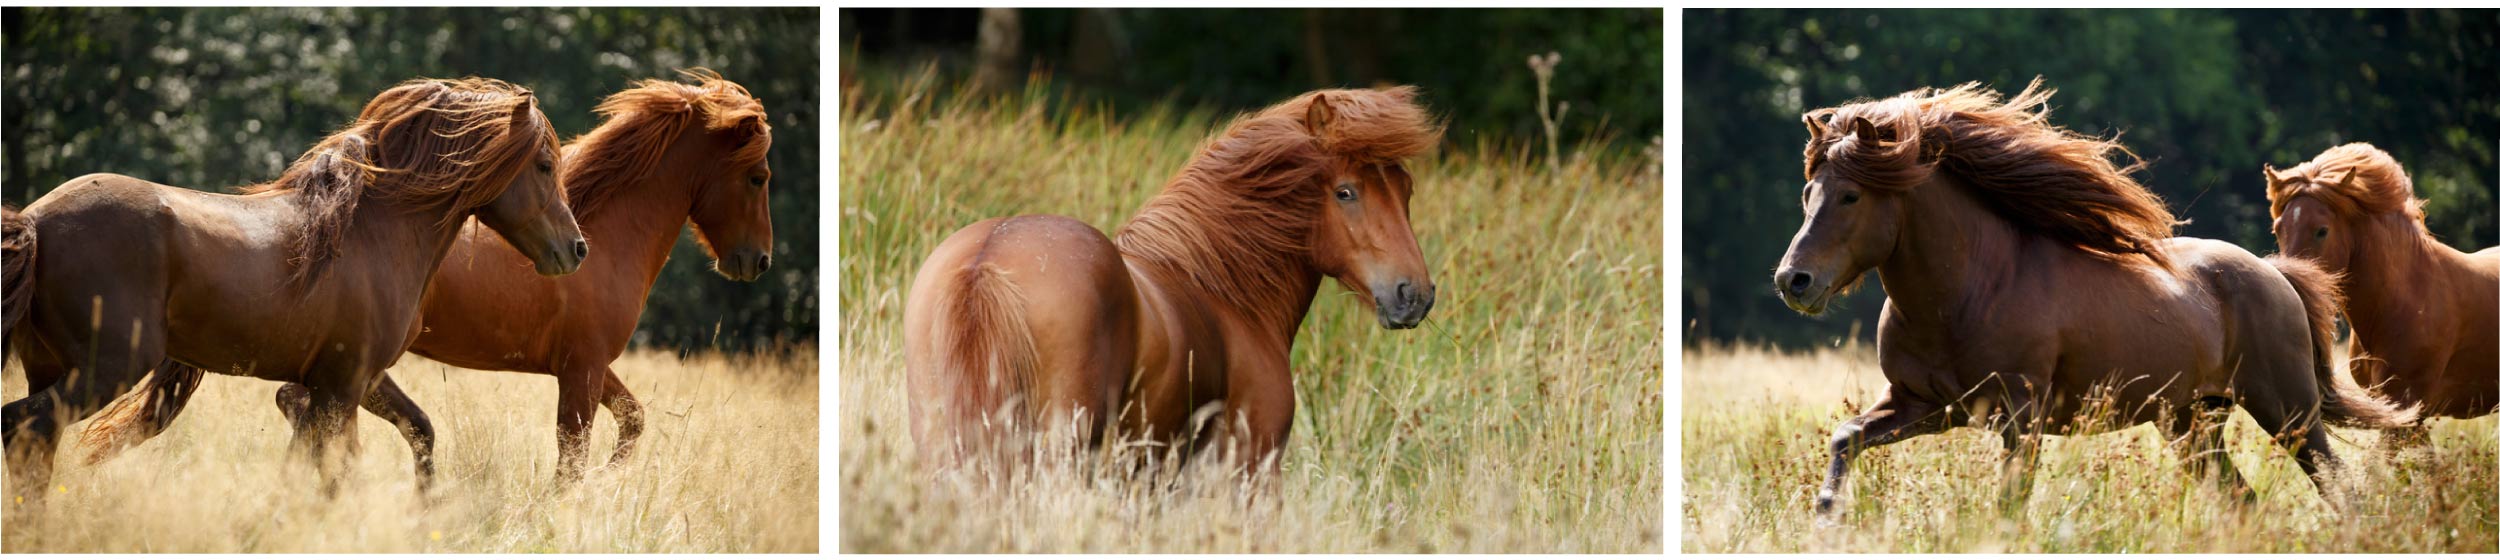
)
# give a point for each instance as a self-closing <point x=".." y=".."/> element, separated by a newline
<point x="1526" y="416"/>
<point x="727" y="463"/>
<point x="1756" y="423"/>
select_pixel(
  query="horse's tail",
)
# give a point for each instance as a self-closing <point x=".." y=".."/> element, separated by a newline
<point x="17" y="264"/>
<point x="141" y="414"/>
<point x="992" y="358"/>
<point x="2342" y="402"/>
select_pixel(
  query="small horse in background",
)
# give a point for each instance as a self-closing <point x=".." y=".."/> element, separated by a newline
<point x="313" y="279"/>
<point x="1041" y="323"/>
<point x="2425" y="317"/>
<point x="665" y="154"/>
<point x="2026" y="275"/>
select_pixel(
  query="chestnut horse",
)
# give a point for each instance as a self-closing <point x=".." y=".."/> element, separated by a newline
<point x="667" y="153"/>
<point x="312" y="279"/>
<point x="1040" y="323"/>
<point x="2423" y="315"/>
<point x="2026" y="276"/>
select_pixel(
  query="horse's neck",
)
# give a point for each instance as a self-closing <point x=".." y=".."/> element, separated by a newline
<point x="1948" y="247"/>
<point x="1190" y="266"/>
<point x="2396" y="273"/>
<point x="410" y="242"/>
<point x="641" y="222"/>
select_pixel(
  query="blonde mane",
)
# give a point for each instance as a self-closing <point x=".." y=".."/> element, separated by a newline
<point x="638" y="124"/>
<point x="2353" y="180"/>
<point x="2043" y="178"/>
<point x="446" y="145"/>
<point x="1237" y="215"/>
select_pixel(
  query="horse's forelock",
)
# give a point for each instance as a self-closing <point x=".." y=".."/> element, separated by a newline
<point x="2356" y="177"/>
<point x="639" y="122"/>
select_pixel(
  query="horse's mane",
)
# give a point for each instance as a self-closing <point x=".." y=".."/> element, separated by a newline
<point x="639" y="124"/>
<point x="427" y="143"/>
<point x="2352" y="179"/>
<point x="2043" y="178"/>
<point x="1239" y="212"/>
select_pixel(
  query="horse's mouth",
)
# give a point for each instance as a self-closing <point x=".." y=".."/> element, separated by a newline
<point x="1812" y="305"/>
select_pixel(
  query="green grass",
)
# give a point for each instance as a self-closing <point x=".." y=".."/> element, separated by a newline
<point x="1526" y="416"/>
<point x="1756" y="423"/>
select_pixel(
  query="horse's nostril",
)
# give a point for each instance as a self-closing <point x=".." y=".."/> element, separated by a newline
<point x="581" y="249"/>
<point x="1797" y="283"/>
<point x="764" y="263"/>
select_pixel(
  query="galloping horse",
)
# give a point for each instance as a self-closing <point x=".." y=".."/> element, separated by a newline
<point x="2425" y="317"/>
<point x="312" y="279"/>
<point x="667" y="153"/>
<point x="1042" y="322"/>
<point x="2026" y="275"/>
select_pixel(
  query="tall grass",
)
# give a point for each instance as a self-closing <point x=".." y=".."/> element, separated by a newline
<point x="1525" y="416"/>
<point x="727" y="463"/>
<point x="1757" y="421"/>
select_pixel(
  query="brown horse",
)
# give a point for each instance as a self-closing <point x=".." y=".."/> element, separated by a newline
<point x="312" y="279"/>
<point x="1041" y="322"/>
<point x="2425" y="317"/>
<point x="2027" y="275"/>
<point x="668" y="153"/>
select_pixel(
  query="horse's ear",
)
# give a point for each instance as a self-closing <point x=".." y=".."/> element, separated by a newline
<point x="1319" y="115"/>
<point x="2273" y="177"/>
<point x="1867" y="131"/>
<point x="1814" y="124"/>
<point x="2339" y="177"/>
<point x="2276" y="183"/>
<point x="521" y="111"/>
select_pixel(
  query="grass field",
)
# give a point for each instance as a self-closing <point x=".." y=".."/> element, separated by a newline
<point x="728" y="463"/>
<point x="1756" y="423"/>
<point x="1525" y="416"/>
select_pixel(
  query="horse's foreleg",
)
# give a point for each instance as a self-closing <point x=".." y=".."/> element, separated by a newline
<point x="325" y="434"/>
<point x="388" y="402"/>
<point x="577" y="402"/>
<point x="1892" y="419"/>
<point x="628" y="412"/>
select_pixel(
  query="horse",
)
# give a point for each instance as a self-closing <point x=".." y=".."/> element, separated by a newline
<point x="665" y="154"/>
<point x="1042" y="322"/>
<point x="313" y="278"/>
<point x="2027" y="276"/>
<point x="2423" y="314"/>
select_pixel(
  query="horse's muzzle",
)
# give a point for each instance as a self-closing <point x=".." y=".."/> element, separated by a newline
<point x="1802" y="291"/>
<point x="561" y="258"/>
<point x="1402" y="305"/>
<point x="744" y="265"/>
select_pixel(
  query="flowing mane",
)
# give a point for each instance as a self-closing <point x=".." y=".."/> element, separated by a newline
<point x="2045" y="179"/>
<point x="2353" y="180"/>
<point x="1252" y="193"/>
<point x="427" y="143"/>
<point x="638" y="124"/>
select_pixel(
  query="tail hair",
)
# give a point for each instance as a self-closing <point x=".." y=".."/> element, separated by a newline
<point x="2342" y="402"/>
<point x="17" y="265"/>
<point x="992" y="358"/>
<point x="142" y="413"/>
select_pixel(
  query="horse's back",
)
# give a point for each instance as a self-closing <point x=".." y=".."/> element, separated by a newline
<point x="1031" y="315"/>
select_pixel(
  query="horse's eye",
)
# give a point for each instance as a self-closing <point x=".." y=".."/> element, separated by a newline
<point x="2321" y="233"/>
<point x="544" y="167"/>
<point x="756" y="181"/>
<point x="1849" y="198"/>
<point x="1345" y="193"/>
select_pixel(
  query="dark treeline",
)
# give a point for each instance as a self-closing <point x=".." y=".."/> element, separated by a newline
<point x="1472" y="64"/>
<point x="219" y="98"/>
<point x="2207" y="97"/>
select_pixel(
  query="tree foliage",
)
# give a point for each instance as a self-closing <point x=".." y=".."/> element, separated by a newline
<point x="2206" y="96"/>
<point x="221" y="97"/>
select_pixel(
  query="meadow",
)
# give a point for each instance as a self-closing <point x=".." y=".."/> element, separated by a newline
<point x="727" y="463"/>
<point x="1526" y="415"/>
<point x="1756" y="423"/>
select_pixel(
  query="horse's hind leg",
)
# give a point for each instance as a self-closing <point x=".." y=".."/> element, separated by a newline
<point x="1891" y="420"/>
<point x="2299" y="430"/>
<point x="2196" y="433"/>
<point x="388" y="402"/>
<point x="126" y="341"/>
<point x="628" y="412"/>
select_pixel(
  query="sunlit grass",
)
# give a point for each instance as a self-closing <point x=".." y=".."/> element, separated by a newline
<point x="727" y="463"/>
<point x="1525" y="416"/>
<point x="1757" y="422"/>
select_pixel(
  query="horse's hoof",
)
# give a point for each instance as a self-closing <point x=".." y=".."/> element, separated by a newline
<point x="1823" y="504"/>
